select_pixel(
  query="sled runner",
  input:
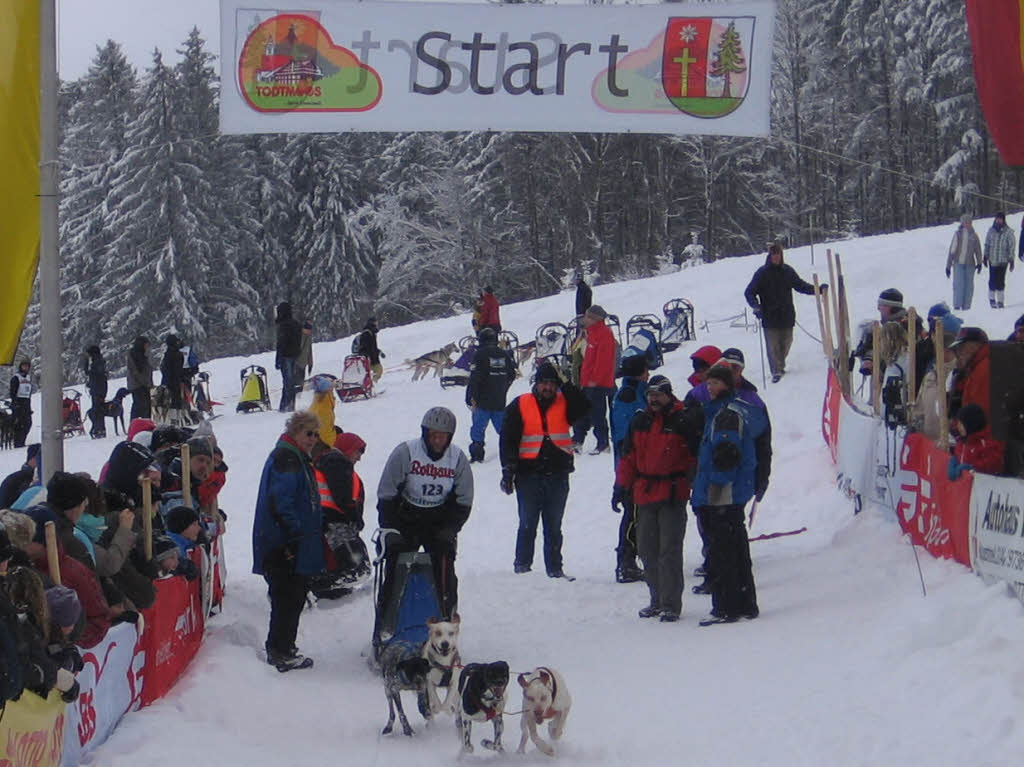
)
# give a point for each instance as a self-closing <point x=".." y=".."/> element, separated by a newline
<point x="255" y="395"/>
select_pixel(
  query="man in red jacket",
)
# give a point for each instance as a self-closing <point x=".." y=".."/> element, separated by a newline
<point x="971" y="381"/>
<point x="489" y="311"/>
<point x="597" y="379"/>
<point x="654" y="473"/>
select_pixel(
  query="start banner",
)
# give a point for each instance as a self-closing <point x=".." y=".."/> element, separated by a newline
<point x="332" y="65"/>
<point x="997" y="529"/>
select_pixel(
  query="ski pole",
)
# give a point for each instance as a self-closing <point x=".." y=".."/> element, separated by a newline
<point x="924" y="591"/>
<point x="760" y="338"/>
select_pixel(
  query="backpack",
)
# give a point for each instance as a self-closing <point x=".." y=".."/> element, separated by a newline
<point x="725" y="438"/>
<point x="894" y="406"/>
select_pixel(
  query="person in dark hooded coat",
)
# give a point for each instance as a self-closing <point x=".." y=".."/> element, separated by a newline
<point x="140" y="378"/>
<point x="770" y="294"/>
<point x="95" y="369"/>
<point x="172" y="370"/>
<point x="288" y="348"/>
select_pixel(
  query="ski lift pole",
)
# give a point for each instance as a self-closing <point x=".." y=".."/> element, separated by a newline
<point x="760" y="337"/>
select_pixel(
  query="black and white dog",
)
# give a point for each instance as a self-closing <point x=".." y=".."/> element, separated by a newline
<point x="404" y="668"/>
<point x="481" y="689"/>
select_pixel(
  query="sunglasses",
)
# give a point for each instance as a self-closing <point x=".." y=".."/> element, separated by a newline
<point x="312" y="433"/>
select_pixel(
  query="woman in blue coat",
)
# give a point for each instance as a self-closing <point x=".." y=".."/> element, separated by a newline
<point x="286" y="536"/>
<point x="728" y="476"/>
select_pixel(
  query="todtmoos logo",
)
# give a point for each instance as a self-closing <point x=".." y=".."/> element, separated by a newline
<point x="698" y="66"/>
<point x="290" y="64"/>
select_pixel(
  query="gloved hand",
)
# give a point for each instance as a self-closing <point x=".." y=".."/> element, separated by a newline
<point x="757" y="312"/>
<point x="383" y="355"/>
<point x="393" y="540"/>
<point x="948" y="272"/>
<point x="508" y="481"/>
<point x="977" y="268"/>
<point x="620" y="499"/>
<point x="954" y="469"/>
<point x="71" y="694"/>
<point x="823" y="287"/>
<point x="984" y="261"/>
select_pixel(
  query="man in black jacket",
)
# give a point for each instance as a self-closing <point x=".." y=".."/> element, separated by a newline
<point x="21" y="402"/>
<point x="490" y="374"/>
<point x="94" y="366"/>
<point x="288" y="348"/>
<point x="366" y="344"/>
<point x="584" y="296"/>
<point x="172" y="374"/>
<point x="770" y="293"/>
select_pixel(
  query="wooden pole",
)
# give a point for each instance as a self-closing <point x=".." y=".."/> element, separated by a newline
<point x="186" y="475"/>
<point x="843" y="338"/>
<point x="52" y="556"/>
<point x="824" y="324"/>
<point x="940" y="374"/>
<point x="834" y="293"/>
<point x="147" y="517"/>
<point x="911" y="356"/>
<point x="876" y="368"/>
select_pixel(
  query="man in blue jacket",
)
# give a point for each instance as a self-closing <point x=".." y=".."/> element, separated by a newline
<point x="730" y="472"/>
<point x="286" y="536"/>
<point x="629" y="400"/>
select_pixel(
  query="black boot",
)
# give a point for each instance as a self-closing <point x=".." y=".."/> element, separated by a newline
<point x="476" y="452"/>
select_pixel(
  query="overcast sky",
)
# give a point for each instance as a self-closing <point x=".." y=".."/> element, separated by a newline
<point x="138" y="25"/>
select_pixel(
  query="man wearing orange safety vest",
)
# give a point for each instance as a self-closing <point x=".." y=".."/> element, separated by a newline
<point x="536" y="460"/>
<point x="341" y="501"/>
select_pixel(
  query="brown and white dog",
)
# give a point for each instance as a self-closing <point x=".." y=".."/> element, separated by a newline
<point x="441" y="650"/>
<point x="545" y="698"/>
<point x="436" y="360"/>
<point x="481" y="698"/>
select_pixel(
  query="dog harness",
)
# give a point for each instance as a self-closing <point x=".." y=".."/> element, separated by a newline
<point x="554" y="691"/>
<point x="551" y="424"/>
<point x="446" y="673"/>
<point x="473" y="702"/>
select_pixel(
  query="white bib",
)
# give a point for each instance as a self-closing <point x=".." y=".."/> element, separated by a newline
<point x="429" y="482"/>
<point x="24" y="386"/>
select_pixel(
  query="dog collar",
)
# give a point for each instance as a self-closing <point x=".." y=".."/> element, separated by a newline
<point x="446" y="673"/>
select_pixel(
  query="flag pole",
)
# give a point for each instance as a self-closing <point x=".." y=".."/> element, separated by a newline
<point x="50" y="344"/>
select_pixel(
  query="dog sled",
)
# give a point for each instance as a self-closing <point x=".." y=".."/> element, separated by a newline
<point x="71" y="413"/>
<point x="679" y="326"/>
<point x="552" y="345"/>
<point x="643" y="337"/>
<point x="201" y="400"/>
<point x="255" y="395"/>
<point x="457" y="373"/>
<point x="414" y="599"/>
<point x="356" y="380"/>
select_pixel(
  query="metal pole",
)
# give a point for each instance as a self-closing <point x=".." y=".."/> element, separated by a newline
<point x="50" y="344"/>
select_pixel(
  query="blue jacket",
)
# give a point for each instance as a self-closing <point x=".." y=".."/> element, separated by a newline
<point x="288" y="512"/>
<point x="629" y="400"/>
<point x="183" y="543"/>
<point x="747" y="478"/>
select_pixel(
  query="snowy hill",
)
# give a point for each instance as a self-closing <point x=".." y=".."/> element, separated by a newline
<point x="848" y="663"/>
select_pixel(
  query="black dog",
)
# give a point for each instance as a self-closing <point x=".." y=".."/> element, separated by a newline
<point x="404" y="668"/>
<point x="481" y="697"/>
<point x="115" y="409"/>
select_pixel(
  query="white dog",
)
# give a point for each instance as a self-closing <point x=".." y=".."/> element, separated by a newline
<point x="442" y="651"/>
<point x="545" y="697"/>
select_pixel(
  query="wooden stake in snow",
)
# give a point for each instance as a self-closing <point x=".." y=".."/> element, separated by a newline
<point x="876" y="368"/>
<point x="186" y="475"/>
<point x="940" y="375"/>
<point x="52" y="557"/>
<point x="147" y="517"/>
<point x="912" y="340"/>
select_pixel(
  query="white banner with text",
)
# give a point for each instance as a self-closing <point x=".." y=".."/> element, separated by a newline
<point x="997" y="529"/>
<point x="325" y="66"/>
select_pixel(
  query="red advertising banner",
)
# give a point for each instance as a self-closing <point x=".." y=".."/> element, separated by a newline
<point x="830" y="414"/>
<point x="172" y="636"/>
<point x="996" y="28"/>
<point x="932" y="509"/>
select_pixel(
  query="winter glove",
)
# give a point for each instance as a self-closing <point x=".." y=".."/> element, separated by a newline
<point x="620" y="499"/>
<point x="984" y="261"/>
<point x="508" y="481"/>
<point x="948" y="272"/>
<point x="757" y="312"/>
<point x="823" y="288"/>
<point x="383" y="355"/>
<point x="954" y="469"/>
<point x="977" y="268"/>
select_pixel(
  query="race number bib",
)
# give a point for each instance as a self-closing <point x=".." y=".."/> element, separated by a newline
<point x="429" y="482"/>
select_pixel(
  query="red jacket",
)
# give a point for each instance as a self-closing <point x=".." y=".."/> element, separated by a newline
<point x="974" y="382"/>
<point x="599" y="360"/>
<point x="84" y="583"/>
<point x="489" y="310"/>
<point x="656" y="463"/>
<point x="982" y="452"/>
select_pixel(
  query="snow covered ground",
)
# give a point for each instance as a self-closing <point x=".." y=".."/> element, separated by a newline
<point x="848" y="663"/>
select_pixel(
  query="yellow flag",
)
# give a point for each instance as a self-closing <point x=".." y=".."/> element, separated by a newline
<point x="19" y="159"/>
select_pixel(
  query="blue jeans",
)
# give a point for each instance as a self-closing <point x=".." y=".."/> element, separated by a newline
<point x="599" y="398"/>
<point x="963" y="285"/>
<point x="481" y="418"/>
<point x="287" y="384"/>
<point x="541" y="497"/>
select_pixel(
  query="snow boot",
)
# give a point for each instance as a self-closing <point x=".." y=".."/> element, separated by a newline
<point x="288" y="662"/>
<point x="668" y="616"/>
<point x="628" y="574"/>
<point x="992" y="298"/>
<point x="999" y="298"/>
<point x="713" y="619"/>
<point x="651" y="611"/>
<point x="476" y="452"/>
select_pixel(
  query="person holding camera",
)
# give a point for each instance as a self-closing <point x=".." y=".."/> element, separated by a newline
<point x="536" y="460"/>
<point x="731" y="469"/>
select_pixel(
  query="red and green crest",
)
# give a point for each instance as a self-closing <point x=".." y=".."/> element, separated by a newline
<point x="704" y="70"/>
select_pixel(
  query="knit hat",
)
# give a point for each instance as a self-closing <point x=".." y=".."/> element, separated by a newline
<point x="633" y="366"/>
<point x="734" y="357"/>
<point x="18" y="527"/>
<point x="163" y="436"/>
<point x="200" y="446"/>
<point x="1001" y="215"/>
<point x="720" y="373"/>
<point x="65" y="491"/>
<point x="139" y="425"/>
<point x="596" y="310"/>
<point x="940" y="309"/>
<point x="951" y="325"/>
<point x="65" y="609"/>
<point x="972" y="417"/>
<point x="659" y="383"/>
<point x="349" y="441"/>
<point x="163" y="547"/>
<point x="708" y="355"/>
<point x="33" y="451"/>
<point x="40" y="515"/>
<point x="890" y="297"/>
<point x="144" y="438"/>
<point x="179" y="518"/>
<point x="322" y="384"/>
<point x="547" y="372"/>
<point x="969" y="334"/>
<point x="966" y="218"/>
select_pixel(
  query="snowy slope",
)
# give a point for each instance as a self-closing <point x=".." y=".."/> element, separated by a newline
<point x="848" y="663"/>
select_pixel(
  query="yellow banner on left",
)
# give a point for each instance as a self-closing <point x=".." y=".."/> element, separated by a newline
<point x="32" y="730"/>
<point x="19" y="158"/>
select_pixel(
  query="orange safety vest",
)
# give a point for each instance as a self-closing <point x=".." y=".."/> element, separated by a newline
<point x="326" y="499"/>
<point x="553" y="424"/>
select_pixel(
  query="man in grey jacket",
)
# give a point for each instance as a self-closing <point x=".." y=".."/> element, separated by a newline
<point x="964" y="256"/>
<point x="998" y="257"/>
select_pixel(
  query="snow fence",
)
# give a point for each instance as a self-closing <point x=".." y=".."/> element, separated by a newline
<point x="976" y="520"/>
<point x="130" y="668"/>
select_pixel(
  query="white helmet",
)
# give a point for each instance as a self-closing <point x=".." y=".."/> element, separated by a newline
<point x="439" y="419"/>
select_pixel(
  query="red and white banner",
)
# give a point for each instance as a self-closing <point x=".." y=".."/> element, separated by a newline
<point x="109" y="685"/>
<point x="830" y="414"/>
<point x="172" y="636"/>
<point x="997" y="529"/>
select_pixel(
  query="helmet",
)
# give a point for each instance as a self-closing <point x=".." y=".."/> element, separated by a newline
<point x="487" y="336"/>
<point x="439" y="419"/>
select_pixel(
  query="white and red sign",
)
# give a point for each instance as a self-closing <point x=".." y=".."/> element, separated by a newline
<point x="997" y="529"/>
